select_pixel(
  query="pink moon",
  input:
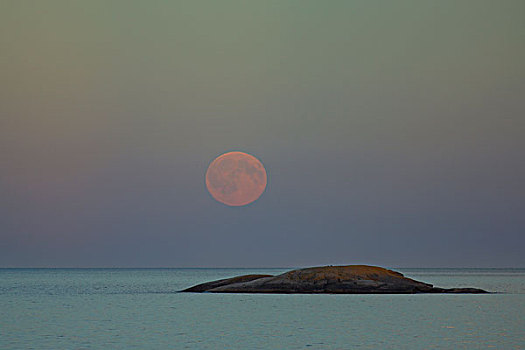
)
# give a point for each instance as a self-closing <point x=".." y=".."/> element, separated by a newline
<point x="236" y="178"/>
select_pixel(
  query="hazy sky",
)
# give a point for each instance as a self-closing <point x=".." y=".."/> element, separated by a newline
<point x="393" y="133"/>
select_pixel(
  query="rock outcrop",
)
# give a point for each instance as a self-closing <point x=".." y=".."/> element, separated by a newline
<point x="351" y="279"/>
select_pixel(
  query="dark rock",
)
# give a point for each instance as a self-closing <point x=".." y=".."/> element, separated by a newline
<point x="352" y="279"/>
<point x="204" y="287"/>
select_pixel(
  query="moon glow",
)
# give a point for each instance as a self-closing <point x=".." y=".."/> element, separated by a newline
<point x="236" y="178"/>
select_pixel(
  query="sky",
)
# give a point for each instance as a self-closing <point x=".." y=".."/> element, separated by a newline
<point x="393" y="133"/>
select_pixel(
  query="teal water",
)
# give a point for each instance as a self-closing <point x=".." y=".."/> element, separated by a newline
<point x="140" y="309"/>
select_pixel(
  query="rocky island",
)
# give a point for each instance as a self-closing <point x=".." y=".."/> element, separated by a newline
<point x="350" y="279"/>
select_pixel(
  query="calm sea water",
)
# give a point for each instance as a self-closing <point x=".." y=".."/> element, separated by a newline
<point x="140" y="309"/>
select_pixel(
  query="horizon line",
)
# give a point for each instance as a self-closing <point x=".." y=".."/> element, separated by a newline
<point x="242" y="268"/>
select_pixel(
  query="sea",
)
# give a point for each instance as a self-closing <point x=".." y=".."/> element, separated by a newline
<point x="142" y="309"/>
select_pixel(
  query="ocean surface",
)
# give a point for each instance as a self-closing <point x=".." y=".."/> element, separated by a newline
<point x="141" y="309"/>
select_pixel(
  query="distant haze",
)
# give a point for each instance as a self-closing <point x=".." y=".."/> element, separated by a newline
<point x="393" y="133"/>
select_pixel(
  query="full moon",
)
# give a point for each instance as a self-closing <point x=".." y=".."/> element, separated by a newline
<point x="236" y="178"/>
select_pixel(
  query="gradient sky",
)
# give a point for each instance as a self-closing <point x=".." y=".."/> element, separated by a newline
<point x="393" y="133"/>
